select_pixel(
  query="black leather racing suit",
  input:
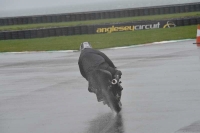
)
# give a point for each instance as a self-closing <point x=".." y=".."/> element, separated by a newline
<point x="90" y="60"/>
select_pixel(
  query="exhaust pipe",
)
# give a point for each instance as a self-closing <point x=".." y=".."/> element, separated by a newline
<point x="114" y="81"/>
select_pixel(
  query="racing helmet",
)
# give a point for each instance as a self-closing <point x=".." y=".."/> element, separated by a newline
<point x="85" y="45"/>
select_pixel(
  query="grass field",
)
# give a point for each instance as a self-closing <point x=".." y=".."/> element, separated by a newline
<point x="102" y="21"/>
<point x="99" y="41"/>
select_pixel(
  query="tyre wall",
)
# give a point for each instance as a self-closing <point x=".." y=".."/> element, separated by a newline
<point x="98" y="29"/>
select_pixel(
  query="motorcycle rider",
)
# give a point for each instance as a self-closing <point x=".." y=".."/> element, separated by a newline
<point x="90" y="60"/>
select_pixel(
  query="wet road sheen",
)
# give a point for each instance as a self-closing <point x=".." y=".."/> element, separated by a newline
<point x="44" y="92"/>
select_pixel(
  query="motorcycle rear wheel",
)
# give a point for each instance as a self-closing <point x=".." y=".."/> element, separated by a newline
<point x="112" y="101"/>
<point x="103" y="81"/>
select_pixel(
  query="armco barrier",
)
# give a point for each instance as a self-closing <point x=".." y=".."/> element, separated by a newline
<point x="81" y="16"/>
<point x="98" y="29"/>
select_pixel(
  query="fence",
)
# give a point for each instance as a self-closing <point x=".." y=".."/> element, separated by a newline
<point x="131" y="12"/>
<point x="97" y="29"/>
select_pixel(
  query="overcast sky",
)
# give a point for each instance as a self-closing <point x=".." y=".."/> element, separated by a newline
<point x="37" y="7"/>
<point x="27" y="4"/>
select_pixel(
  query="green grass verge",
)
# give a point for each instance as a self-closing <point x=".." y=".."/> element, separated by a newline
<point x="99" y="41"/>
<point x="102" y="21"/>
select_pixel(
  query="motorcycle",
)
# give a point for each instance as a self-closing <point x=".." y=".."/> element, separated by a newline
<point x="110" y="89"/>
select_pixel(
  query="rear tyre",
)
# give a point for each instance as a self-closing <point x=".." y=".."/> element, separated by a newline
<point x="112" y="102"/>
<point x="104" y="80"/>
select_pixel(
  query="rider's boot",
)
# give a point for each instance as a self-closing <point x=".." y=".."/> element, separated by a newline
<point x="91" y="88"/>
<point x="96" y="91"/>
<point x="99" y="96"/>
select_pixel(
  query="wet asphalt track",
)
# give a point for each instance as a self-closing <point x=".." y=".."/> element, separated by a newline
<point x="44" y="92"/>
